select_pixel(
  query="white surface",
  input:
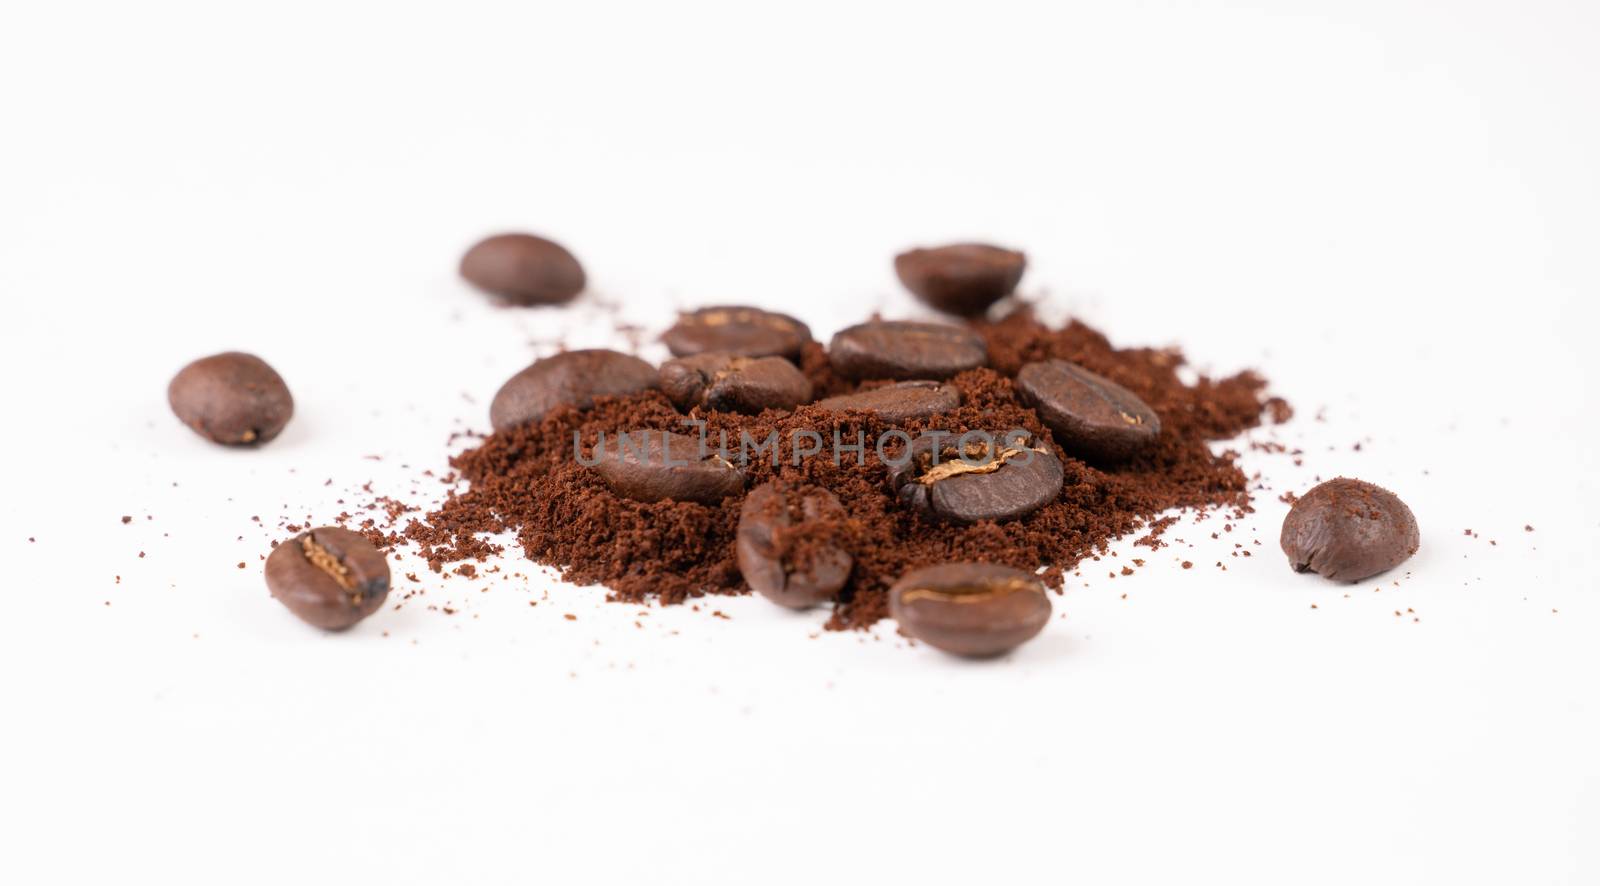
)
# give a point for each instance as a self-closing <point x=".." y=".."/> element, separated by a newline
<point x="1390" y="208"/>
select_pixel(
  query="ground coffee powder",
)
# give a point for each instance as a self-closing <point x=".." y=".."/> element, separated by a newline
<point x="526" y="480"/>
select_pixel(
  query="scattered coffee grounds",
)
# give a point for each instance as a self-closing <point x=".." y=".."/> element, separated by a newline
<point x="526" y="479"/>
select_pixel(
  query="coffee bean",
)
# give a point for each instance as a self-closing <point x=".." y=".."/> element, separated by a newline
<point x="962" y="279"/>
<point x="727" y="383"/>
<point x="571" y="378"/>
<point x="900" y="402"/>
<point x="1092" y="417"/>
<point x="330" y="577"/>
<point x="523" y="269"/>
<point x="978" y="610"/>
<point x="905" y="350"/>
<point x="658" y="465"/>
<point x="231" y="398"/>
<point x="999" y="478"/>
<point x="1348" y="530"/>
<point x="748" y="332"/>
<point x="784" y="544"/>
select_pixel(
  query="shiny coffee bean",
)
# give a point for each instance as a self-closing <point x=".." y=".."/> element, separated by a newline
<point x="905" y="350"/>
<point x="900" y="402"/>
<point x="728" y="383"/>
<point x="748" y="332"/>
<point x="523" y="269"/>
<point x="778" y="555"/>
<point x="1092" y="417"/>
<point x="962" y="279"/>
<point x="1009" y="479"/>
<point x="232" y="398"/>
<point x="1348" y="530"/>
<point x="572" y="378"/>
<point x="650" y="465"/>
<point x="977" y="610"/>
<point x="330" y="577"/>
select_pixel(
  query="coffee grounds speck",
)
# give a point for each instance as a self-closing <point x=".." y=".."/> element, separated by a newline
<point x="525" y="481"/>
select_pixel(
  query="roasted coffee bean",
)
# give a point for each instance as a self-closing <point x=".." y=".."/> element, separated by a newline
<point x="978" y="610"/>
<point x="330" y="577"/>
<point x="785" y="546"/>
<point x="900" y="402"/>
<point x="658" y="465"/>
<point x="1092" y="417"/>
<point x="962" y="279"/>
<point x="905" y="350"/>
<point x="572" y="378"/>
<point x="748" y="332"/>
<point x="728" y="383"/>
<point x="523" y="269"/>
<point x="995" y="478"/>
<point x="231" y="398"/>
<point x="1348" y="530"/>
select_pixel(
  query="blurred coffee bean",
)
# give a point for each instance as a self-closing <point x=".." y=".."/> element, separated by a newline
<point x="996" y="479"/>
<point x="965" y="278"/>
<point x="900" y="402"/>
<point x="728" y="383"/>
<point x="231" y="398"/>
<point x="905" y="350"/>
<point x="1092" y="417"/>
<point x="571" y="378"/>
<point x="651" y="465"/>
<point x="523" y="269"/>
<point x="978" y="610"/>
<point x="1348" y="530"/>
<point x="330" y="577"/>
<point x="747" y="332"/>
<point x="784" y="547"/>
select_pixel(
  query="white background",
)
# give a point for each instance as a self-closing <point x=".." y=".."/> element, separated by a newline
<point x="1388" y="207"/>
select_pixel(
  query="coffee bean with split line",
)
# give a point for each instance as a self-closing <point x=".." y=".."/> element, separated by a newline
<point x="786" y="544"/>
<point x="571" y="378"/>
<point x="330" y="577"/>
<point x="728" y="383"/>
<point x="978" y="610"/>
<point x="748" y="332"/>
<point x="905" y="350"/>
<point x="965" y="278"/>
<point x="523" y="269"/>
<point x="983" y="477"/>
<point x="649" y="465"/>
<point x="900" y="402"/>
<point x="231" y="398"/>
<point x="1091" y="417"/>
<point x="1348" y="530"/>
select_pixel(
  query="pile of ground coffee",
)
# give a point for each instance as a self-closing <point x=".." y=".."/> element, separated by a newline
<point x="528" y="480"/>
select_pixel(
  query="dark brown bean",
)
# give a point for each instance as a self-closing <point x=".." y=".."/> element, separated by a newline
<point x="1348" y="530"/>
<point x="900" y="402"/>
<point x="965" y="278"/>
<point x="728" y="383"/>
<point x="1092" y="417"/>
<point x="650" y="465"/>
<point x="571" y="378"/>
<point x="992" y="479"/>
<point x="905" y="350"/>
<point x="977" y="610"/>
<point x="231" y="398"/>
<point x="748" y="332"/>
<point x="523" y="269"/>
<point x="785" y="544"/>
<point x="330" y="577"/>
